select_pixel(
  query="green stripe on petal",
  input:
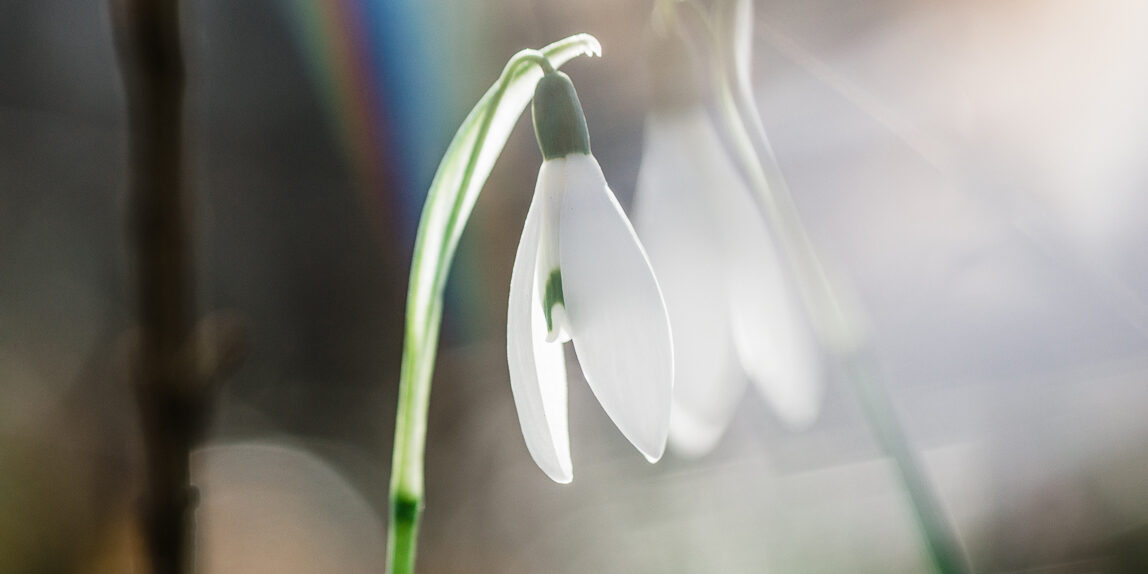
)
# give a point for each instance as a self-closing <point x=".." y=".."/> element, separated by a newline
<point x="552" y="295"/>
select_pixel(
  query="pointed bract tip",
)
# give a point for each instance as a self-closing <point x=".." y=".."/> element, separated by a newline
<point x="592" y="46"/>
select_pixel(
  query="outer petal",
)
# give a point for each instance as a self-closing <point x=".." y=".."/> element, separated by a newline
<point x="537" y="368"/>
<point x="674" y="218"/>
<point x="773" y="336"/>
<point x="614" y="309"/>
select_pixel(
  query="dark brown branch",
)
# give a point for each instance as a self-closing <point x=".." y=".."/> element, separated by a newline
<point x="171" y="396"/>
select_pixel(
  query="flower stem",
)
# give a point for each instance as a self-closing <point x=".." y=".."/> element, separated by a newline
<point x="948" y="556"/>
<point x="536" y="58"/>
<point x="163" y="376"/>
<point x="403" y="538"/>
<point x="453" y="192"/>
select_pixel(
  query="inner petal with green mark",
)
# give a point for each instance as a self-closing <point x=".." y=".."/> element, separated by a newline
<point x="548" y="275"/>
<point x="554" y="308"/>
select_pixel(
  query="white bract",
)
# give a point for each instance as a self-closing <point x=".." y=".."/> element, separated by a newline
<point x="581" y="275"/>
<point x="732" y="310"/>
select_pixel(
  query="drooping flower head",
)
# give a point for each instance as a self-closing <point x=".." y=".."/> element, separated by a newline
<point x="581" y="275"/>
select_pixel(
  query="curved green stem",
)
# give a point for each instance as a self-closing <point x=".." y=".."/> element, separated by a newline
<point x="530" y="56"/>
<point x="453" y="192"/>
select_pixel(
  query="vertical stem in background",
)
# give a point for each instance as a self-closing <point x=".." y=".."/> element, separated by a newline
<point x="148" y="39"/>
<point x="832" y="316"/>
<point x="836" y="327"/>
<point x="943" y="544"/>
<point x="847" y="343"/>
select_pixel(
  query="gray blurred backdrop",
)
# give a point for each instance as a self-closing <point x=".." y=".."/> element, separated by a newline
<point x="975" y="169"/>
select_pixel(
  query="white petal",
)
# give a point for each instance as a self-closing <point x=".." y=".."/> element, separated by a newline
<point x="694" y="435"/>
<point x="552" y="180"/>
<point x="774" y="340"/>
<point x="674" y="219"/>
<point x="773" y="336"/>
<point x="701" y="413"/>
<point x="537" y="368"/>
<point x="614" y="309"/>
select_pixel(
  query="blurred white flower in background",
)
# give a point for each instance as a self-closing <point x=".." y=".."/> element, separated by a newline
<point x="580" y="274"/>
<point x="734" y="315"/>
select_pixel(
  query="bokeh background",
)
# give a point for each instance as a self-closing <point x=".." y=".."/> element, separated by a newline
<point x="975" y="169"/>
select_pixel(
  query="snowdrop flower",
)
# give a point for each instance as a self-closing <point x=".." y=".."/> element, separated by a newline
<point x="734" y="315"/>
<point x="581" y="275"/>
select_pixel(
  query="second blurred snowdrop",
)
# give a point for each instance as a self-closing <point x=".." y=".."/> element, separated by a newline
<point x="734" y="315"/>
